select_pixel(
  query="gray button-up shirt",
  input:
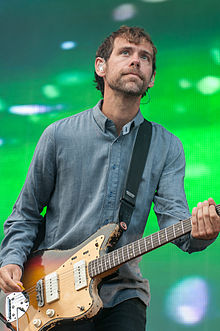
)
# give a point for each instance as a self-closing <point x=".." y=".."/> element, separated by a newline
<point x="78" y="171"/>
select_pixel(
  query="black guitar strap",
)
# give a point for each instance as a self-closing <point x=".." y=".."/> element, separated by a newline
<point x="136" y="168"/>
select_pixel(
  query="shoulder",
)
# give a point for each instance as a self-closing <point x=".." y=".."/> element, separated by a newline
<point x="68" y="125"/>
<point x="72" y="120"/>
<point x="166" y="145"/>
<point x="165" y="136"/>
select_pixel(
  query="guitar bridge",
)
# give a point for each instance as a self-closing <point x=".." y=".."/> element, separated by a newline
<point x="40" y="293"/>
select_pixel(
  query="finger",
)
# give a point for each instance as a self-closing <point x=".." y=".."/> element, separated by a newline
<point x="16" y="274"/>
<point x="194" y="222"/>
<point x="208" y="225"/>
<point x="200" y="220"/>
<point x="9" y="276"/>
<point x="211" y="202"/>
<point x="214" y="219"/>
<point x="8" y="285"/>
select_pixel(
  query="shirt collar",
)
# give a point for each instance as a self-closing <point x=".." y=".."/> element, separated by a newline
<point x="103" y="122"/>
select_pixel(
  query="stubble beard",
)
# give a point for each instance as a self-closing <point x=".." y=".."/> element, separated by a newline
<point x="129" y="88"/>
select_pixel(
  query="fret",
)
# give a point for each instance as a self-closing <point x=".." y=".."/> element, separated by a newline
<point x="145" y="244"/>
<point x="179" y="229"/>
<point x="95" y="266"/>
<point x="91" y="268"/>
<point x="170" y="233"/>
<point x="111" y="259"/>
<point x="174" y="230"/>
<point x="152" y="244"/>
<point x="115" y="257"/>
<point x="108" y="264"/>
<point x="128" y="251"/>
<point x="133" y="249"/>
<point x="105" y="264"/>
<point x="162" y="238"/>
<point x="155" y="239"/>
<point x="125" y="254"/>
<point x="118" y="256"/>
<point x="159" y="237"/>
<point x="100" y="264"/>
<point x="139" y="246"/>
<point x="142" y="245"/>
<point x="182" y="227"/>
<point x="166" y="234"/>
<point x="122" y="255"/>
<point x="187" y="224"/>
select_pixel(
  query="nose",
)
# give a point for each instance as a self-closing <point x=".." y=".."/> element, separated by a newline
<point x="135" y="61"/>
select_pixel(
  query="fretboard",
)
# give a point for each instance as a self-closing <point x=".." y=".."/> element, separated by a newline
<point x="140" y="247"/>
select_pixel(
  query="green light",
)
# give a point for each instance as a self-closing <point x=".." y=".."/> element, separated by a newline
<point x="215" y="53"/>
<point x="209" y="85"/>
<point x="2" y="105"/>
<point x="51" y="91"/>
<point x="73" y="78"/>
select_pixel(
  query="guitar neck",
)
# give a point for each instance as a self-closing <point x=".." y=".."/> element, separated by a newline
<point x="140" y="247"/>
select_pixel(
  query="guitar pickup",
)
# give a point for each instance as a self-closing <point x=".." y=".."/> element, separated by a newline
<point x="51" y="286"/>
<point x="79" y="270"/>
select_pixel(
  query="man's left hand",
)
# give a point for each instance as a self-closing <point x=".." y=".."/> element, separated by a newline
<point x="205" y="220"/>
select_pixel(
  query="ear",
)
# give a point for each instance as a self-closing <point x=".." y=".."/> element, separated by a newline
<point x="100" y="66"/>
<point x="151" y="83"/>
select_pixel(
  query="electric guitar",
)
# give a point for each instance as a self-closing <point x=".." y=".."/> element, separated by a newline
<point x="63" y="285"/>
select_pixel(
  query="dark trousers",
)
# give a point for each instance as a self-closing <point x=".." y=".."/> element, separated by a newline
<point x="129" y="315"/>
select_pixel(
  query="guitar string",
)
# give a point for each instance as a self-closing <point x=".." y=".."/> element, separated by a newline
<point x="104" y="262"/>
<point x="143" y="247"/>
<point x="125" y="250"/>
<point x="105" y="259"/>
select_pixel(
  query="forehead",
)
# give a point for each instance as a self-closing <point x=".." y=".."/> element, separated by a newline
<point x="121" y="42"/>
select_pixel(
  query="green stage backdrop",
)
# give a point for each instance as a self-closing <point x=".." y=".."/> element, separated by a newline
<point x="46" y="73"/>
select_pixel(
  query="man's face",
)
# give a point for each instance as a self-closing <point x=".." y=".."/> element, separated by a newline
<point x="129" y="68"/>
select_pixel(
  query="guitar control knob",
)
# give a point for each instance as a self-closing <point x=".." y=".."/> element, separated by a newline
<point x="37" y="322"/>
<point x="50" y="312"/>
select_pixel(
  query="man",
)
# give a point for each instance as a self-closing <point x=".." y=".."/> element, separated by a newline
<point x="79" y="169"/>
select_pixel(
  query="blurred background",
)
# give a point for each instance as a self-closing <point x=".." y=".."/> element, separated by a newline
<point x="46" y="73"/>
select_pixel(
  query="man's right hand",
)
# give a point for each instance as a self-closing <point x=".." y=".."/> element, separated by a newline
<point x="10" y="276"/>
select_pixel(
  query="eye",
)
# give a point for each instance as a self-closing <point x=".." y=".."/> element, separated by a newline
<point x="145" y="57"/>
<point x="124" y="52"/>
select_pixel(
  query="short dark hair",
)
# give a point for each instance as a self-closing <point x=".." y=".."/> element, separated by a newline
<point x="133" y="35"/>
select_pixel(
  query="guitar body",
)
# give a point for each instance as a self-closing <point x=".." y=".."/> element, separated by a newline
<point x="74" y="300"/>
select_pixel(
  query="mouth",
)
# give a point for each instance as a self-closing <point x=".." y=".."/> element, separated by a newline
<point x="134" y="74"/>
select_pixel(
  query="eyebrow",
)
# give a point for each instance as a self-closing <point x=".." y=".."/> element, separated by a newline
<point x="131" y="48"/>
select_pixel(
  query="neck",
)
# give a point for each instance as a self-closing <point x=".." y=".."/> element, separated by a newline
<point x="119" y="108"/>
